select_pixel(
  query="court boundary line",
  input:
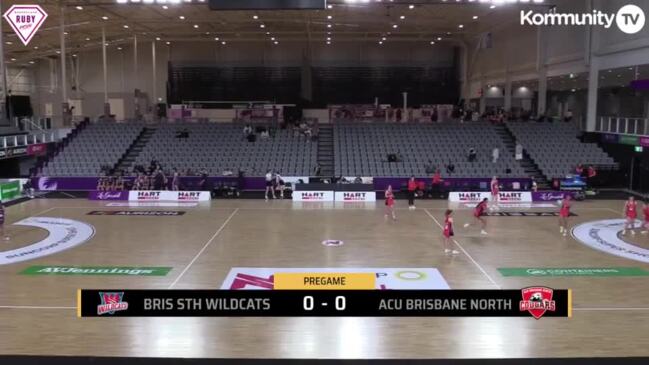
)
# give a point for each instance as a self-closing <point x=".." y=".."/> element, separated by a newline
<point x="493" y="282"/>
<point x="33" y="307"/>
<point x="207" y="244"/>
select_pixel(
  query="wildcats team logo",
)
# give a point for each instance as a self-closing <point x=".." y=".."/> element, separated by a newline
<point x="111" y="302"/>
<point x="537" y="300"/>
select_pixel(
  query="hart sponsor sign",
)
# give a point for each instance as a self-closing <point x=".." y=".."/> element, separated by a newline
<point x="313" y="196"/>
<point x="467" y="197"/>
<point x="174" y="196"/>
<point x="25" y="20"/>
<point x="478" y="196"/>
<point x="355" y="196"/>
<point x="515" y="196"/>
<point x="386" y="278"/>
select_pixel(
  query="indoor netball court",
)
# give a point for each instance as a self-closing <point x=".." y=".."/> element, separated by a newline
<point x="205" y="246"/>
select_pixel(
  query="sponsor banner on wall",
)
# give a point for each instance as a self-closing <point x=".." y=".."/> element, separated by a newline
<point x="313" y="196"/>
<point x="503" y="196"/>
<point x="10" y="190"/>
<point x="108" y="195"/>
<point x="13" y="152"/>
<point x="261" y="278"/>
<point x="37" y="149"/>
<point x="355" y="196"/>
<point x="465" y="197"/>
<point x="515" y="196"/>
<point x="551" y="196"/>
<point x="174" y="196"/>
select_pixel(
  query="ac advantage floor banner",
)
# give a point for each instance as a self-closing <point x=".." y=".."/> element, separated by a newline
<point x="96" y="270"/>
<point x="573" y="271"/>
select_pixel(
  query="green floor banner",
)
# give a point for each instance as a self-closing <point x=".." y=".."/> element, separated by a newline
<point x="9" y="190"/>
<point x="573" y="271"/>
<point x="96" y="270"/>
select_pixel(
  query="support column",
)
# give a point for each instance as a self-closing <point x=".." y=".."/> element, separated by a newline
<point x="543" y="92"/>
<point x="483" y="96"/>
<point x="65" y="106"/>
<point x="105" y="71"/>
<point x="542" y="70"/>
<point x="508" y="93"/>
<point x="593" y="85"/>
<point x="404" y="115"/>
<point x="154" y="94"/>
<point x="137" y="113"/>
<point x="3" y="78"/>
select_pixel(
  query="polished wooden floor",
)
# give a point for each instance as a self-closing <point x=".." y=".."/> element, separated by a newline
<point x="37" y="314"/>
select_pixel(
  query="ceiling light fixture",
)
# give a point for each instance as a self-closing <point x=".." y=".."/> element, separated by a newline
<point x="79" y="7"/>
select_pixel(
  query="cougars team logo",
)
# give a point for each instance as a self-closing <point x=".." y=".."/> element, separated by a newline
<point x="111" y="303"/>
<point x="537" y="300"/>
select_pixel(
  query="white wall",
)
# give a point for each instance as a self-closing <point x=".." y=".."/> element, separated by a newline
<point x="123" y="80"/>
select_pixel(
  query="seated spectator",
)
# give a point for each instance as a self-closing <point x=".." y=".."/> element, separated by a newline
<point x="429" y="167"/>
<point x="228" y="172"/>
<point x="265" y="134"/>
<point x="568" y="116"/>
<point x="450" y="168"/>
<point x="472" y="154"/>
<point x="495" y="155"/>
<point x="358" y="180"/>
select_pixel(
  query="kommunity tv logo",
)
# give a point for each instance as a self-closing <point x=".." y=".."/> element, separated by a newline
<point x="630" y="18"/>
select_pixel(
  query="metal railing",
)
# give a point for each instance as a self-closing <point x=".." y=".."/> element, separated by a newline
<point x="27" y="139"/>
<point x="622" y="125"/>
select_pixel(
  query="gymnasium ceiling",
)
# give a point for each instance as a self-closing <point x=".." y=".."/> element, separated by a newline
<point x="386" y="21"/>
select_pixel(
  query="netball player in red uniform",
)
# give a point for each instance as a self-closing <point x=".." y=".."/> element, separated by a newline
<point x="494" y="193"/>
<point x="645" y="210"/>
<point x="448" y="233"/>
<point x="389" y="203"/>
<point x="631" y="213"/>
<point x="478" y="212"/>
<point x="564" y="213"/>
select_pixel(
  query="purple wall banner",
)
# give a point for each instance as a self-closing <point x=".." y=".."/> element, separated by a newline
<point x="187" y="183"/>
<point x="644" y="141"/>
<point x="548" y="196"/>
<point x="108" y="195"/>
<point x="610" y="138"/>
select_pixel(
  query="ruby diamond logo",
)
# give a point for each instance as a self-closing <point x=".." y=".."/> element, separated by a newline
<point x="25" y="20"/>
